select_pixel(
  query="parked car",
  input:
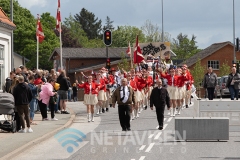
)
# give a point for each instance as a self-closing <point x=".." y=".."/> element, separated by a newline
<point x="217" y="92"/>
<point x="224" y="91"/>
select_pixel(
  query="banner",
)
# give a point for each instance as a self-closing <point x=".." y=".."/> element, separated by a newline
<point x="155" y="49"/>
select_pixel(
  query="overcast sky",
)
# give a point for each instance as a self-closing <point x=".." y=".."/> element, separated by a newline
<point x="210" y="20"/>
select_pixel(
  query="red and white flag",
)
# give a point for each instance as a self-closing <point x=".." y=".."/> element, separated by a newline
<point x="129" y="49"/>
<point x="39" y="32"/>
<point x="138" y="57"/>
<point x="58" y="17"/>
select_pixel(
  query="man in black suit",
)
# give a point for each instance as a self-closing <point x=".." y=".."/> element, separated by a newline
<point x="159" y="98"/>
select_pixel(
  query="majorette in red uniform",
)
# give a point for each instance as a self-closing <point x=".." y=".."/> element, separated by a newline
<point x="189" y="81"/>
<point x="90" y="96"/>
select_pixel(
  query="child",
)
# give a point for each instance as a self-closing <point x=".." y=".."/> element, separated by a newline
<point x="74" y="89"/>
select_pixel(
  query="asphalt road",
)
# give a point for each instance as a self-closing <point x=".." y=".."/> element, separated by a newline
<point x="104" y="140"/>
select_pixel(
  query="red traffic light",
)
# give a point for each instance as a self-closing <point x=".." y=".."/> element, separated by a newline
<point x="107" y="37"/>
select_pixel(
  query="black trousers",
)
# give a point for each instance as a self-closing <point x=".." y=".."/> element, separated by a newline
<point x="124" y="116"/>
<point x="17" y="119"/>
<point x="52" y="108"/>
<point x="160" y="115"/>
<point x="210" y="93"/>
<point x="43" y="109"/>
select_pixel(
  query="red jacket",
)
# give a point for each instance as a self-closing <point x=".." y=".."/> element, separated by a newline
<point x="86" y="86"/>
<point x="133" y="84"/>
<point x="169" y="79"/>
<point x="141" y="83"/>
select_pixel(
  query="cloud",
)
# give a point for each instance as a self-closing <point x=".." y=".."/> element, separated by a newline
<point x="31" y="3"/>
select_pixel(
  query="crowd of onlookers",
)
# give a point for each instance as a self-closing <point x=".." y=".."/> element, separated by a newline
<point x="39" y="90"/>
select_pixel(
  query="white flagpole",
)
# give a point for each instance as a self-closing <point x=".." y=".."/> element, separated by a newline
<point x="60" y="38"/>
<point x="37" y="50"/>
<point x="131" y="58"/>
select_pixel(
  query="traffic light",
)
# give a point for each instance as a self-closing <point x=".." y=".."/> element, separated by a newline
<point x="107" y="37"/>
<point x="108" y="64"/>
<point x="237" y="44"/>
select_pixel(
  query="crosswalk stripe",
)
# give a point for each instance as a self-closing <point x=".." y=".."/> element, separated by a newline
<point x="158" y="135"/>
<point x="164" y="126"/>
<point x="151" y="135"/>
<point x="142" y="158"/>
<point x="169" y="119"/>
<point x="150" y="147"/>
<point x="142" y="147"/>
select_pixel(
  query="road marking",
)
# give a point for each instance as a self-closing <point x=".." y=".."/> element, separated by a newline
<point x="142" y="158"/>
<point x="164" y="126"/>
<point x="142" y="147"/>
<point x="158" y="135"/>
<point x="164" y="119"/>
<point x="150" y="147"/>
<point x="169" y="119"/>
<point x="151" y="135"/>
<point x="132" y="159"/>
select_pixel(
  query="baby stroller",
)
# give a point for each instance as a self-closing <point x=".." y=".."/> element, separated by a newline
<point x="7" y="109"/>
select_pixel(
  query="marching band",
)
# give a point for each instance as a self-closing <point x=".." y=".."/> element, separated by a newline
<point x="100" y="87"/>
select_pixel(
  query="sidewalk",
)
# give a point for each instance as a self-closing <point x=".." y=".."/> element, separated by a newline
<point x="11" y="144"/>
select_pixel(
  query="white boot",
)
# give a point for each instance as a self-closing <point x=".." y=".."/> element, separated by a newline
<point x="92" y="117"/>
<point x="100" y="109"/>
<point x="133" y="115"/>
<point x="171" y="112"/>
<point x="174" y="110"/>
<point x="136" y="113"/>
<point x="97" y="106"/>
<point x="89" y="117"/>
<point x="179" y="110"/>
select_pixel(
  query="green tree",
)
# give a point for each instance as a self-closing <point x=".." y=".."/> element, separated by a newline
<point x="124" y="34"/>
<point x="25" y="42"/>
<point x="198" y="73"/>
<point x="108" y="24"/>
<point x="91" y="25"/>
<point x="76" y="30"/>
<point x="224" y="69"/>
<point x="124" y="64"/>
<point x="153" y="33"/>
<point x="184" y="47"/>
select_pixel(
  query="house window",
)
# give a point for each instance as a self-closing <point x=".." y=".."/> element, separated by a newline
<point x="2" y="80"/>
<point x="213" y="64"/>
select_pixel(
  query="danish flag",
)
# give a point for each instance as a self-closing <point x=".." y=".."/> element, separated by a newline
<point x="39" y="31"/>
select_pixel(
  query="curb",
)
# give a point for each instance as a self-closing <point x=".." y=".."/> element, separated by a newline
<point x="16" y="152"/>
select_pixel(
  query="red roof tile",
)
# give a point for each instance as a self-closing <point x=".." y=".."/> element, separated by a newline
<point x="5" y="19"/>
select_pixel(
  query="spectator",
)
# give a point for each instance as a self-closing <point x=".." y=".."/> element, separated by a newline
<point x="233" y="83"/>
<point x="210" y="82"/>
<point x="74" y="92"/>
<point x="22" y="96"/>
<point x="62" y="92"/>
<point x="45" y="94"/>
<point x="33" y="103"/>
<point x="69" y="90"/>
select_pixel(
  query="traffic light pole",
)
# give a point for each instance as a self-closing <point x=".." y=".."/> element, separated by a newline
<point x="107" y="51"/>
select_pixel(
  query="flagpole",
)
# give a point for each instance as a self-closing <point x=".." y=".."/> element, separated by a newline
<point x="60" y="38"/>
<point x="37" y="50"/>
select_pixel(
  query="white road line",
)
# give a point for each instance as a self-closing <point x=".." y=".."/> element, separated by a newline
<point x="132" y="159"/>
<point x="142" y="147"/>
<point x="169" y="119"/>
<point x="142" y="158"/>
<point x="151" y="135"/>
<point x="164" y="126"/>
<point x="164" y="119"/>
<point x="150" y="147"/>
<point x="158" y="135"/>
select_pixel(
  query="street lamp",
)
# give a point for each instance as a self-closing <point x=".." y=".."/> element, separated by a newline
<point x="234" y="52"/>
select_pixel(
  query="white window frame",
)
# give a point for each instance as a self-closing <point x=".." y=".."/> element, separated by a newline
<point x="2" y="72"/>
<point x="214" y="64"/>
